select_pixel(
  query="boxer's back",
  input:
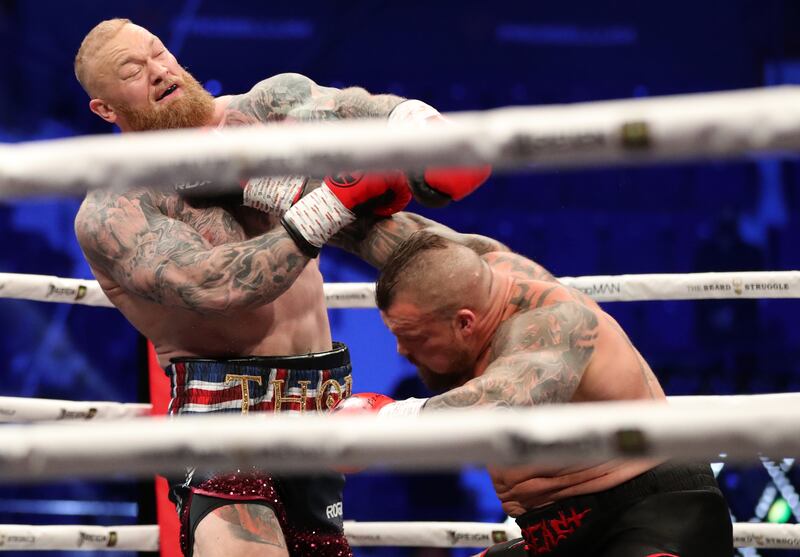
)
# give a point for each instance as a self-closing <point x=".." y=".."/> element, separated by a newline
<point x="614" y="370"/>
<point x="203" y="316"/>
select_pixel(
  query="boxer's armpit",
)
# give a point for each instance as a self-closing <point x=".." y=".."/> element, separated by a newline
<point x="537" y="358"/>
<point x="168" y="262"/>
<point x="293" y="96"/>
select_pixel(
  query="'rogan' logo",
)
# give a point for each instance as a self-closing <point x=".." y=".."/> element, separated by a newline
<point x="77" y="414"/>
<point x="109" y="540"/>
<point x="499" y="536"/>
<point x="64" y="292"/>
<point x="635" y="135"/>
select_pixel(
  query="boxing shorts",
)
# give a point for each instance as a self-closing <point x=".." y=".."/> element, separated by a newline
<point x="309" y="507"/>
<point x="673" y="510"/>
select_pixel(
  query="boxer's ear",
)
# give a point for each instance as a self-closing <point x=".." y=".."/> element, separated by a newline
<point x="104" y="110"/>
<point x="465" y="321"/>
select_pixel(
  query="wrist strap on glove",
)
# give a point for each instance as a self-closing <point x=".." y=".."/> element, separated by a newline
<point x="407" y="407"/>
<point x="274" y="194"/>
<point x="313" y="220"/>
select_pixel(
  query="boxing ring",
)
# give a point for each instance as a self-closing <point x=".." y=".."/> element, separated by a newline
<point x="50" y="439"/>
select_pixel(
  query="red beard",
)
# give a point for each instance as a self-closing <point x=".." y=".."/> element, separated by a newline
<point x="191" y="110"/>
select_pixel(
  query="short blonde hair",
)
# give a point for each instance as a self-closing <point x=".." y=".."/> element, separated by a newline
<point x="92" y="42"/>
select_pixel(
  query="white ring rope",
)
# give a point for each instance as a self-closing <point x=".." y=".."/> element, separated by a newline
<point x="603" y="288"/>
<point x="19" y="409"/>
<point x="359" y="534"/>
<point x="700" y="126"/>
<point x="26" y="410"/>
<point x="547" y="435"/>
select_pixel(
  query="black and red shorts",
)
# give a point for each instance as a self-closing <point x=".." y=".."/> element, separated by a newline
<point x="673" y="510"/>
<point x="309" y="507"/>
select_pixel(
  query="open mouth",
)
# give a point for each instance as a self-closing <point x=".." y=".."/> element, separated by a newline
<point x="167" y="92"/>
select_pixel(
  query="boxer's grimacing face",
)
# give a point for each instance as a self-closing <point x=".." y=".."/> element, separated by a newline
<point x="141" y="86"/>
<point x="433" y="344"/>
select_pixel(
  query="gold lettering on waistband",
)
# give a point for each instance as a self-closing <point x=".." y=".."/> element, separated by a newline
<point x="326" y="392"/>
<point x="277" y="386"/>
<point x="243" y="379"/>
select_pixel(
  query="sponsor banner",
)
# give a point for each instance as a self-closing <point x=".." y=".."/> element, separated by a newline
<point x="768" y="536"/>
<point x="65" y="538"/>
<point x="350" y="295"/>
<point x="429" y="534"/>
<point x="21" y="409"/>
<point x="696" y="286"/>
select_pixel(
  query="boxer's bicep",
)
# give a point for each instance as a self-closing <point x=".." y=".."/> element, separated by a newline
<point x="166" y="261"/>
<point x="537" y="358"/>
<point x="522" y="380"/>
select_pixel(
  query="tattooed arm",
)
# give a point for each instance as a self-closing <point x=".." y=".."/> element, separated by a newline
<point x="164" y="260"/>
<point x="537" y="358"/>
<point x="292" y="96"/>
<point x="373" y="240"/>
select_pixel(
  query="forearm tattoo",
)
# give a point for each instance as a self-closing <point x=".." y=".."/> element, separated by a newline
<point x="296" y="97"/>
<point x="252" y="523"/>
<point x="537" y="358"/>
<point x="169" y="262"/>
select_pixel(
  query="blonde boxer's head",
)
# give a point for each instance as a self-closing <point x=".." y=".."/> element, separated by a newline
<point x="136" y="83"/>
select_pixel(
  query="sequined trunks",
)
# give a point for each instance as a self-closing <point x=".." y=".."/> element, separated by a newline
<point x="308" y="508"/>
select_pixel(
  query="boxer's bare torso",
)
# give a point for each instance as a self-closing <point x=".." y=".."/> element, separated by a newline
<point x="211" y="278"/>
<point x="218" y="311"/>
<point x="534" y="358"/>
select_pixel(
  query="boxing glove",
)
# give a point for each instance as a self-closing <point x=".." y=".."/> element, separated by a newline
<point x="319" y="215"/>
<point x="436" y="187"/>
<point x="364" y="403"/>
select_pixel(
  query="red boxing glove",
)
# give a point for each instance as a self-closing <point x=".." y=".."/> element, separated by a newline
<point x="318" y="216"/>
<point x="437" y="187"/>
<point x="361" y="403"/>
<point x="371" y="194"/>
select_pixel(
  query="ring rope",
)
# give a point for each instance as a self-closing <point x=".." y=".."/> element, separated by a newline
<point x="603" y="288"/>
<point x="682" y="127"/>
<point x="547" y="435"/>
<point x="20" y="409"/>
<point x="359" y="534"/>
<point x="26" y="410"/>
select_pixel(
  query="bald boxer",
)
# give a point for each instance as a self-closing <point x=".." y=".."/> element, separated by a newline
<point x="492" y="329"/>
<point x="228" y="289"/>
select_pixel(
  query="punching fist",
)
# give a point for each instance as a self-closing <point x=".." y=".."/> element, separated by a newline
<point x="436" y="187"/>
<point x="361" y="403"/>
<point x="375" y="403"/>
<point x="313" y="219"/>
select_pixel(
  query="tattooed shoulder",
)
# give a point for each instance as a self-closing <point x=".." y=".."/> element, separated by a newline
<point x="518" y="266"/>
<point x="561" y="324"/>
<point x="269" y="100"/>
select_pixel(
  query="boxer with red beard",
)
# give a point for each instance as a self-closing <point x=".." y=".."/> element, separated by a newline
<point x="229" y="290"/>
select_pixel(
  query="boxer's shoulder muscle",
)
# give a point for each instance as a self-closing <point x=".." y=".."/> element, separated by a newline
<point x="292" y="96"/>
<point x="518" y="266"/>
